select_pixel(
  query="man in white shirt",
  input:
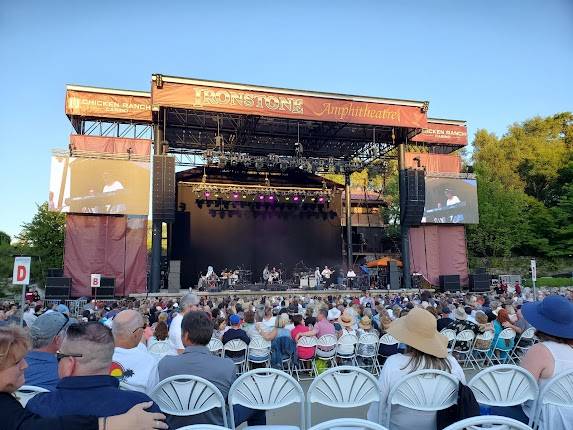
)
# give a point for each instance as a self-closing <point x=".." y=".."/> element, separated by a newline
<point x="132" y="364"/>
<point x="188" y="303"/>
<point x="326" y="272"/>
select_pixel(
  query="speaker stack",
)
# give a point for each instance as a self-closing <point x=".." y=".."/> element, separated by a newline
<point x="450" y="282"/>
<point x="106" y="290"/>
<point x="480" y="281"/>
<point x="415" y="197"/>
<point x="58" y="288"/>
<point x="164" y="188"/>
<point x="395" y="276"/>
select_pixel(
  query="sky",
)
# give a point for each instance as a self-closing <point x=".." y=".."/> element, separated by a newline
<point x="488" y="62"/>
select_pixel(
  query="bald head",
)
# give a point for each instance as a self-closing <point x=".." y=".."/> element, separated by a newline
<point x="127" y="329"/>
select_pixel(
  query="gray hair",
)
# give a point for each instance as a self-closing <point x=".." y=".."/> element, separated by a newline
<point x="189" y="299"/>
<point x="125" y="323"/>
<point x="94" y="341"/>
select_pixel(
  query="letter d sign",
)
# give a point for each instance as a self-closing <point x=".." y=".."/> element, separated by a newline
<point x="21" y="273"/>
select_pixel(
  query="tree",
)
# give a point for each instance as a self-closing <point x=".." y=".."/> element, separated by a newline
<point x="4" y="238"/>
<point x="43" y="239"/>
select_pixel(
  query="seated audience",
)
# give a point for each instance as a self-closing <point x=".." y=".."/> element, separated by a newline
<point x="86" y="388"/>
<point x="189" y="302"/>
<point x="46" y="333"/>
<point x="426" y="349"/>
<point x="235" y="332"/>
<point x="460" y="324"/>
<point x="132" y="363"/>
<point x="501" y="323"/>
<point x="197" y="360"/>
<point x="303" y="352"/>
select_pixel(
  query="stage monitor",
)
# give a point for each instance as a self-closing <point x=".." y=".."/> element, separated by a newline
<point x="99" y="186"/>
<point x="450" y="201"/>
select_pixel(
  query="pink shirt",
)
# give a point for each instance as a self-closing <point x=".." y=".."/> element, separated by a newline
<point x="324" y="327"/>
<point x="303" y="352"/>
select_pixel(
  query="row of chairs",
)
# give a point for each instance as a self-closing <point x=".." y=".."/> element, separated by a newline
<point x="476" y="353"/>
<point x="350" y="386"/>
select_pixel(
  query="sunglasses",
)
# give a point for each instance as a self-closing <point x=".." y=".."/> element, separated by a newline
<point x="65" y="323"/>
<point x="60" y="355"/>
<point x="138" y="328"/>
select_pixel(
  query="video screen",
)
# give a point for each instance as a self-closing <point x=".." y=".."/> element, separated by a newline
<point x="99" y="186"/>
<point x="451" y="201"/>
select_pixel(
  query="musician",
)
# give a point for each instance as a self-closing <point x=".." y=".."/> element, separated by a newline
<point x="273" y="275"/>
<point x="317" y="276"/>
<point x="112" y="185"/>
<point x="211" y="278"/>
<point x="266" y="274"/>
<point x="452" y="199"/>
<point x="326" y="272"/>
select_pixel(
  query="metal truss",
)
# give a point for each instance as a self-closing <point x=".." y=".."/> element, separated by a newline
<point x="107" y="128"/>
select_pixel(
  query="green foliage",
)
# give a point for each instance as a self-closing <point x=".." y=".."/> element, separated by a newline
<point x="43" y="239"/>
<point x="525" y="189"/>
<point x="554" y="282"/>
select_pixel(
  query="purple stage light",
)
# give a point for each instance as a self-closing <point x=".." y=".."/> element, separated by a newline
<point x="296" y="198"/>
<point x="261" y="197"/>
<point x="235" y="196"/>
<point x="207" y="194"/>
<point x="271" y="197"/>
<point x="321" y="199"/>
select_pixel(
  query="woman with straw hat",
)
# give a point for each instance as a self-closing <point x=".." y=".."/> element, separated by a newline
<point x="426" y="348"/>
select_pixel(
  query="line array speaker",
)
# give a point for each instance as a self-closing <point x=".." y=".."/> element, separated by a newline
<point x="395" y="276"/>
<point x="415" y="198"/>
<point x="58" y="288"/>
<point x="164" y="188"/>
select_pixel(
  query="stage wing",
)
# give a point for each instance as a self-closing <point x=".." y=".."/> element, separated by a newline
<point x="99" y="186"/>
<point x="450" y="201"/>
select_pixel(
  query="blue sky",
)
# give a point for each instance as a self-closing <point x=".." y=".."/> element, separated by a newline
<point x="489" y="62"/>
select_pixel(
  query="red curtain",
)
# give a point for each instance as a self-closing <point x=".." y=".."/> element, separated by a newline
<point x="114" y="145"/>
<point x="438" y="249"/>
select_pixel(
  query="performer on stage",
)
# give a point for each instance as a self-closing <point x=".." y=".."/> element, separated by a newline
<point x="211" y="278"/>
<point x="273" y="275"/>
<point x="326" y="272"/>
<point x="317" y="276"/>
<point x="266" y="274"/>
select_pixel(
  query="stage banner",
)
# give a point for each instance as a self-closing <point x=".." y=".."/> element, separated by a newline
<point x="116" y="145"/>
<point x="445" y="134"/>
<point x="108" y="105"/>
<point x="281" y="103"/>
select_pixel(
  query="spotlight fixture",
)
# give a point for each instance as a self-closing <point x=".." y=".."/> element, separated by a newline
<point x="207" y="194"/>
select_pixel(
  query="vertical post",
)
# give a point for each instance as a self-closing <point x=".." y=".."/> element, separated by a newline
<point x="349" y="258"/>
<point x="406" y="277"/>
<point x="156" y="223"/>
<point x="23" y="302"/>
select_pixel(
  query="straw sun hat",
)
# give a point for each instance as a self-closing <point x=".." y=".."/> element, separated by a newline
<point x="365" y="323"/>
<point x="346" y="319"/>
<point x="419" y="330"/>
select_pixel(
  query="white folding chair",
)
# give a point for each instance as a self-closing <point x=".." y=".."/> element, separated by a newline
<point x="342" y="387"/>
<point x="259" y="352"/>
<point x="160" y="349"/>
<point x="367" y="352"/>
<point x="346" y="348"/>
<point x="451" y="335"/>
<point x="504" y="385"/>
<point x="493" y="421"/>
<point x="237" y="345"/>
<point x="423" y="390"/>
<point x="464" y="337"/>
<point x="558" y="393"/>
<point x="26" y="392"/>
<point x="306" y="342"/>
<point x="266" y="389"/>
<point x="184" y="395"/>
<point x="520" y="350"/>
<point x="215" y="346"/>
<point x="386" y="340"/>
<point x="203" y="427"/>
<point x="507" y="335"/>
<point x="482" y="351"/>
<point x="325" y="350"/>
<point x="347" y="423"/>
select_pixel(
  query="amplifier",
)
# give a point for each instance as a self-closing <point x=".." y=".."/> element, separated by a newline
<point x="450" y="282"/>
<point x="58" y="288"/>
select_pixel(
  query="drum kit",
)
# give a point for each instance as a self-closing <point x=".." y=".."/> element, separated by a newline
<point x="229" y="279"/>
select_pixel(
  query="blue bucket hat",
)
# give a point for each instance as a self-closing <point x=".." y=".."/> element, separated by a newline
<point x="554" y="316"/>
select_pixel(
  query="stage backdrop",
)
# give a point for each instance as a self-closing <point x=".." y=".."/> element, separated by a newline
<point x="438" y="249"/>
<point x="274" y="234"/>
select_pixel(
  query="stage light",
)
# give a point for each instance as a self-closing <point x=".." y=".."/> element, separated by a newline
<point x="235" y="195"/>
<point x="261" y="197"/>
<point x="216" y="196"/>
<point x="207" y="194"/>
<point x="271" y="197"/>
<point x="312" y="199"/>
<point x="321" y="199"/>
<point x="296" y="198"/>
<point x="287" y="199"/>
<point x="244" y="196"/>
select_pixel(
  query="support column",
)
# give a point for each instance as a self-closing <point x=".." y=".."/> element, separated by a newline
<point x="406" y="277"/>
<point x="349" y="258"/>
<point x="156" y="223"/>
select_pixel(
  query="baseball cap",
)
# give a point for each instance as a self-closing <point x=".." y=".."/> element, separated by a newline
<point x="49" y="325"/>
<point x="63" y="308"/>
<point x="234" y="319"/>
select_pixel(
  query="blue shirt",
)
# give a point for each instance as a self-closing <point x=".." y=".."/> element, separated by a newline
<point x="42" y="370"/>
<point x="99" y="396"/>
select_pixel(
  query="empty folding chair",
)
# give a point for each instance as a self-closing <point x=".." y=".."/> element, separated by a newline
<point x="305" y="361"/>
<point x="238" y="353"/>
<point x="348" y="423"/>
<point x="346" y="348"/>
<point x="259" y="352"/>
<point x="463" y="346"/>
<point x="488" y="421"/>
<point x="423" y="390"/>
<point x="555" y="396"/>
<point x="367" y="352"/>
<point x="184" y="395"/>
<point x="215" y="346"/>
<point x="342" y="387"/>
<point x="266" y="389"/>
<point x="451" y="335"/>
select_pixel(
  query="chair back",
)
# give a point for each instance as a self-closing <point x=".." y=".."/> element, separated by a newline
<point x="368" y="339"/>
<point x="258" y="342"/>
<point x="557" y="392"/>
<point x="388" y="339"/>
<point x="348" y="423"/>
<point x="424" y="390"/>
<point x="203" y="427"/>
<point x="528" y="334"/>
<point x="161" y="347"/>
<point x="326" y="341"/>
<point x="488" y="421"/>
<point x="215" y="346"/>
<point x="307" y="341"/>
<point x="486" y="336"/>
<point x="507" y="333"/>
<point x="184" y="395"/>
<point x="26" y="392"/>
<point x="465" y="336"/>
<point x="235" y="345"/>
<point x="504" y="385"/>
<point x="342" y="387"/>
<point x="265" y="389"/>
